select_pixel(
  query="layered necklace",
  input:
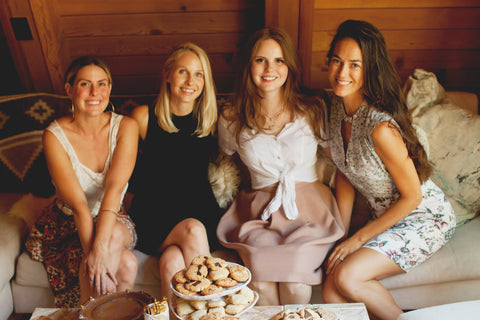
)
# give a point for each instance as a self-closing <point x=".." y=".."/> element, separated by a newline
<point x="270" y="120"/>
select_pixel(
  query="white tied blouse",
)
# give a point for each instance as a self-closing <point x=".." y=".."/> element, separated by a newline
<point x="286" y="158"/>
<point x="92" y="182"/>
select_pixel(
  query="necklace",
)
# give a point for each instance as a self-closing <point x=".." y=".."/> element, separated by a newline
<point x="270" y="120"/>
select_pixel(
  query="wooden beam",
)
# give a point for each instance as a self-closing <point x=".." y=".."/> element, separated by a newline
<point x="305" y="38"/>
<point x="47" y="23"/>
<point x="283" y="14"/>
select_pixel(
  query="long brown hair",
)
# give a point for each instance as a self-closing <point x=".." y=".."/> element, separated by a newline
<point x="381" y="88"/>
<point x="247" y="97"/>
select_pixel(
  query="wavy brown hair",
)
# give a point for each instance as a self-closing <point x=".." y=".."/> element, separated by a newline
<point x="381" y="88"/>
<point x="246" y="100"/>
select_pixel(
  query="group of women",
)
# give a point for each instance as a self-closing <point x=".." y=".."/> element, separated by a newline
<point x="288" y="228"/>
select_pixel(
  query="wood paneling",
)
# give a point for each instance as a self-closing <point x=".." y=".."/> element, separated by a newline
<point x="133" y="37"/>
<point x="442" y="36"/>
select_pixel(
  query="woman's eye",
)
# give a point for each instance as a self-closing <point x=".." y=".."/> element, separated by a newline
<point x="279" y="61"/>
<point x="356" y="65"/>
<point x="199" y="75"/>
<point x="83" y="84"/>
<point x="259" y="60"/>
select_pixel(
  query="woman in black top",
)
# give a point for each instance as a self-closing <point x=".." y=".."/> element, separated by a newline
<point x="174" y="209"/>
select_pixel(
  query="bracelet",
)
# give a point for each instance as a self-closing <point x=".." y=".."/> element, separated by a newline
<point x="109" y="210"/>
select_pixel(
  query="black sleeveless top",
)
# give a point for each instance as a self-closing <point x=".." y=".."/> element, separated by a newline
<point x="170" y="182"/>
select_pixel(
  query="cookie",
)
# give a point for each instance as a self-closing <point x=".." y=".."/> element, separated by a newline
<point x="180" y="277"/>
<point x="234" y="308"/>
<point x="200" y="259"/>
<point x="291" y="316"/>
<point x="211" y="316"/>
<point x="211" y="289"/>
<point x="226" y="282"/>
<point x="183" y="308"/>
<point x="217" y="310"/>
<point x="216" y="263"/>
<point x="325" y="313"/>
<point x="239" y="273"/>
<point x="199" y="304"/>
<point x="198" y="285"/>
<point x="180" y="287"/>
<point x="237" y="299"/>
<point x="196" y="272"/>
<point x="216" y="303"/>
<point x="308" y="314"/>
<point x="248" y="293"/>
<point x="218" y="274"/>
<point x="197" y="314"/>
<point x="278" y="316"/>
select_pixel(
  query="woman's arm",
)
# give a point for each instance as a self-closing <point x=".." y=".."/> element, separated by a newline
<point x="68" y="187"/>
<point x="140" y="114"/>
<point x="117" y="177"/>
<point x="390" y="147"/>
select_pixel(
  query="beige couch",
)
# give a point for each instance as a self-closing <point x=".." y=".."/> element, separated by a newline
<point x="451" y="275"/>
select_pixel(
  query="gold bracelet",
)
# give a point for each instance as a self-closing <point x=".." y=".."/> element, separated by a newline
<point x="109" y="210"/>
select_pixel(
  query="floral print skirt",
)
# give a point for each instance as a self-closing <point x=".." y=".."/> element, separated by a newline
<point x="423" y="232"/>
<point x="54" y="241"/>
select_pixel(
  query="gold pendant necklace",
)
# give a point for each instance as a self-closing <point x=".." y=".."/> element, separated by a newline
<point x="270" y="121"/>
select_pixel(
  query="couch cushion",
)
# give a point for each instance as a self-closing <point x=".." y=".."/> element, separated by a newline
<point x="453" y="136"/>
<point x="458" y="260"/>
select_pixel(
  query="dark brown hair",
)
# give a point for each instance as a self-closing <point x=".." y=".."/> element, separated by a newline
<point x="381" y="88"/>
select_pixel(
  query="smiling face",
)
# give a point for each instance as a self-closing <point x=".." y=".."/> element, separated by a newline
<point x="90" y="91"/>
<point x="269" y="70"/>
<point x="186" y="80"/>
<point x="345" y="71"/>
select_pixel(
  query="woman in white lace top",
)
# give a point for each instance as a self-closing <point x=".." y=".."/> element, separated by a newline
<point x="85" y="238"/>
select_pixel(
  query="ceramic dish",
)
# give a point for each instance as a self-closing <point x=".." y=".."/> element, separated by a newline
<point x="226" y="290"/>
<point x="119" y="306"/>
<point x="186" y="317"/>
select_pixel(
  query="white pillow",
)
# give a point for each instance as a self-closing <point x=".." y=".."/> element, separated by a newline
<point x="454" y="141"/>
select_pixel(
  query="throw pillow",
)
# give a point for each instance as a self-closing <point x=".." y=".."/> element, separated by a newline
<point x="28" y="208"/>
<point x="453" y="136"/>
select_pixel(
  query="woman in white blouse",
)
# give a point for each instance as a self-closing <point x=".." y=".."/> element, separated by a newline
<point x="283" y="226"/>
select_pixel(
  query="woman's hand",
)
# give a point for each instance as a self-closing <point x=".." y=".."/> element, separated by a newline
<point x="102" y="280"/>
<point x="341" y="252"/>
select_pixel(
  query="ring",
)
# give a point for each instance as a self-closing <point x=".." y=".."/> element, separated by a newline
<point x="341" y="259"/>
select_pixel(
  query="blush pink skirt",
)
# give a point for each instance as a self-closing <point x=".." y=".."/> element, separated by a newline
<point x="282" y="250"/>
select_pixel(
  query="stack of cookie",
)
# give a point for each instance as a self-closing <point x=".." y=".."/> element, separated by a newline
<point x="208" y="275"/>
<point x="313" y="313"/>
<point x="216" y="309"/>
<point x="210" y="289"/>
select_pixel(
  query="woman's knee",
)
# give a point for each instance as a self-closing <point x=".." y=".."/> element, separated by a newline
<point x="128" y="267"/>
<point x="171" y="261"/>
<point x="119" y="237"/>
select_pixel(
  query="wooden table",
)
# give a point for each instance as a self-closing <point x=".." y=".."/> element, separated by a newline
<point x="344" y="311"/>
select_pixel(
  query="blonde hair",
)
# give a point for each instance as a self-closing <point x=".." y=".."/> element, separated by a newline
<point x="205" y="108"/>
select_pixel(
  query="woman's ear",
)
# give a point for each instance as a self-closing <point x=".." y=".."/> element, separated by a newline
<point x="68" y="89"/>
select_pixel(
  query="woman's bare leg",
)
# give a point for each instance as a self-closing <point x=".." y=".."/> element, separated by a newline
<point x="294" y="293"/>
<point x="267" y="292"/>
<point x="169" y="263"/>
<point x="357" y="279"/>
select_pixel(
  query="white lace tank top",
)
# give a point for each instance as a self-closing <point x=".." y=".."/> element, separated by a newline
<point x="91" y="182"/>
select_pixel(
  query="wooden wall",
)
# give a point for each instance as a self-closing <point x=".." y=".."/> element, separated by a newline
<point x="133" y="37"/>
<point x="442" y="36"/>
